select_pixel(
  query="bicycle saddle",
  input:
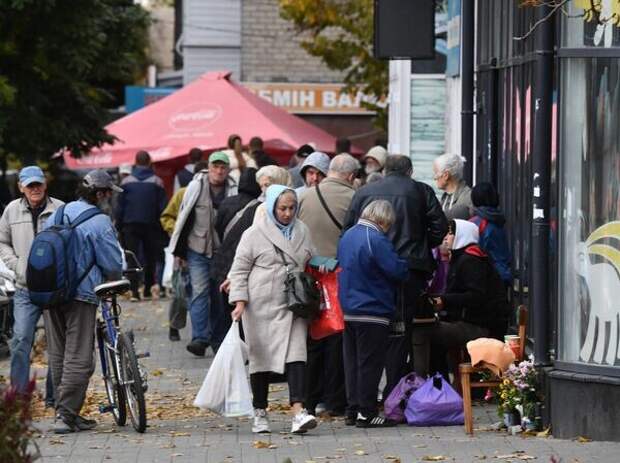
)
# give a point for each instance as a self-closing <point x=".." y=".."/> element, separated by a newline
<point x="112" y="287"/>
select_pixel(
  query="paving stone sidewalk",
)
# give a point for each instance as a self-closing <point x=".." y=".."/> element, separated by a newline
<point x="180" y="433"/>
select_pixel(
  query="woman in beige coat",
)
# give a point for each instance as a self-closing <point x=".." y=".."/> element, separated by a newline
<point x="276" y="339"/>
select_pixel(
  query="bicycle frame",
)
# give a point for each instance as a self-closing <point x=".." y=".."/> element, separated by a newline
<point x="109" y="312"/>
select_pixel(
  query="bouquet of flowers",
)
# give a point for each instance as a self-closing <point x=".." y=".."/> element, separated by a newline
<point x="518" y="391"/>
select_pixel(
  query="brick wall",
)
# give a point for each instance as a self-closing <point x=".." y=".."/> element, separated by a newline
<point x="270" y="50"/>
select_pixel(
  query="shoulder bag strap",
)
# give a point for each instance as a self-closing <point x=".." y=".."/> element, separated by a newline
<point x="329" y="213"/>
<point x="281" y="254"/>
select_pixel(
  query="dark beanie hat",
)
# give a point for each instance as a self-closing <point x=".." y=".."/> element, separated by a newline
<point x="484" y="194"/>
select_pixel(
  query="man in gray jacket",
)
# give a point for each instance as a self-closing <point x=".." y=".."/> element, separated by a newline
<point x="22" y="219"/>
<point x="323" y="209"/>
<point x="194" y="240"/>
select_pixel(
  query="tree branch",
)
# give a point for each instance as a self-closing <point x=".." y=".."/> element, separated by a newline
<point x="542" y="20"/>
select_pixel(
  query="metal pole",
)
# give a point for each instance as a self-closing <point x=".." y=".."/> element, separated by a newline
<point x="541" y="182"/>
<point x="467" y="87"/>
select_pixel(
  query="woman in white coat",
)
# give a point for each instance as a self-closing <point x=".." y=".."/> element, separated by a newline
<point x="276" y="339"/>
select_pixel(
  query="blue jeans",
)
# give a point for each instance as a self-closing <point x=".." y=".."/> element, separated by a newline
<point x="198" y="265"/>
<point x="26" y="315"/>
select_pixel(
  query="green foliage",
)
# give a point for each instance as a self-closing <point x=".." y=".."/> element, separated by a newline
<point x="62" y="63"/>
<point x="340" y="32"/>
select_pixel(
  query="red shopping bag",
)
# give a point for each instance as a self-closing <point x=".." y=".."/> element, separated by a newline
<point x="330" y="320"/>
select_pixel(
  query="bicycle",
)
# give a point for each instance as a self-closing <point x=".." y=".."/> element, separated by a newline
<point x="125" y="380"/>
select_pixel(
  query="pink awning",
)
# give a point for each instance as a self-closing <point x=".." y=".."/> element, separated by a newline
<point x="203" y="114"/>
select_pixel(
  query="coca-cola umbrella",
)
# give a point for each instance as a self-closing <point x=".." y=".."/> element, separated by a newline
<point x="203" y="114"/>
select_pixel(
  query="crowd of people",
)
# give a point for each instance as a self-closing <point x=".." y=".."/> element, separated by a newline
<point x="418" y="275"/>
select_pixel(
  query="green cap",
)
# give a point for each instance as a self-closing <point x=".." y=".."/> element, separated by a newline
<point x="219" y="156"/>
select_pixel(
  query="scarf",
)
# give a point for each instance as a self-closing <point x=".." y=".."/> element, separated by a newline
<point x="271" y="198"/>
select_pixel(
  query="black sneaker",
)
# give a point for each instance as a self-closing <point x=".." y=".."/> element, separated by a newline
<point x="65" y="425"/>
<point x="197" y="348"/>
<point x="173" y="334"/>
<point x="375" y="421"/>
<point x="84" y="424"/>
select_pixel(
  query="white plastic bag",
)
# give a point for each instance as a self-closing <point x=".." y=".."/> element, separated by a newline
<point x="225" y="389"/>
<point x="166" y="278"/>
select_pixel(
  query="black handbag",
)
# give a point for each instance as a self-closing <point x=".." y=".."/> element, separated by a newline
<point x="303" y="296"/>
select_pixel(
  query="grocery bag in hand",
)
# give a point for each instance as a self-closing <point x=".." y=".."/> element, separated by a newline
<point x="225" y="389"/>
<point x="330" y="319"/>
<point x="435" y="403"/>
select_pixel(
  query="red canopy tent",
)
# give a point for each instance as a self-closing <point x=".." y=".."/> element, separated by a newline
<point x="202" y="114"/>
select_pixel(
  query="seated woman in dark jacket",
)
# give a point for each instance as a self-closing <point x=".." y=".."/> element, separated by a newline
<point x="474" y="304"/>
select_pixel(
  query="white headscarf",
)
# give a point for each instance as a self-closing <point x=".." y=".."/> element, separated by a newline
<point x="466" y="233"/>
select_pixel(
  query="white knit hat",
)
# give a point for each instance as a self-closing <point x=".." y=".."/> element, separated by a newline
<point x="378" y="153"/>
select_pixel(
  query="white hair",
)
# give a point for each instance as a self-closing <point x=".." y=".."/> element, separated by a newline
<point x="451" y="163"/>
<point x="276" y="174"/>
<point x="380" y="212"/>
<point x="344" y="165"/>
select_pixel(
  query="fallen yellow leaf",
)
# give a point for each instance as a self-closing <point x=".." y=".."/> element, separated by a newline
<point x="519" y="455"/>
<point x="544" y="433"/>
<point x="157" y="372"/>
<point x="360" y="452"/>
<point x="433" y="458"/>
<point x="260" y="444"/>
<point x="583" y="440"/>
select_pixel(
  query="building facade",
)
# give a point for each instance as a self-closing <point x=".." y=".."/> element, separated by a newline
<point x="575" y="325"/>
<point x="264" y="52"/>
<point x="582" y="343"/>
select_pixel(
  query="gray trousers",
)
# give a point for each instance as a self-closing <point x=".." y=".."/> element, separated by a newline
<point x="70" y="332"/>
<point x="442" y="335"/>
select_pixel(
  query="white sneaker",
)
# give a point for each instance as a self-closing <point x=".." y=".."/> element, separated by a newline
<point x="302" y="422"/>
<point x="261" y="423"/>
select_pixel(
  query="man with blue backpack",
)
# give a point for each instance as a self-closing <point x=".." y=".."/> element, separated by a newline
<point x="77" y="251"/>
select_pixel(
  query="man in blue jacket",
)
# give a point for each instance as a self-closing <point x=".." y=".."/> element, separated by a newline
<point x="70" y="328"/>
<point x="371" y="272"/>
<point x="137" y="217"/>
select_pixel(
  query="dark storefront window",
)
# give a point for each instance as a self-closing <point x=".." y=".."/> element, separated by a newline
<point x="590" y="215"/>
<point x="505" y="122"/>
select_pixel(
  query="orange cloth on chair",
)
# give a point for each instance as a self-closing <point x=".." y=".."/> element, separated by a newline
<point x="490" y="353"/>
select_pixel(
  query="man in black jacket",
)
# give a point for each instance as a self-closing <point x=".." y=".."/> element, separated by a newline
<point x="420" y="226"/>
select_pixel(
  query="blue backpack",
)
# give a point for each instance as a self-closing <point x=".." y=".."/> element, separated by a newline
<point x="51" y="274"/>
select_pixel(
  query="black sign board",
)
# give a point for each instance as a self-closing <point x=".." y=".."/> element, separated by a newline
<point x="404" y="29"/>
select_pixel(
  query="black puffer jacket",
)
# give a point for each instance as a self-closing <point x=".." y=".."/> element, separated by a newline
<point x="248" y="190"/>
<point x="475" y="292"/>
<point x="420" y="223"/>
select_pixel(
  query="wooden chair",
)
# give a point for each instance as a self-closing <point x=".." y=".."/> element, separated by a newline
<point x="466" y="370"/>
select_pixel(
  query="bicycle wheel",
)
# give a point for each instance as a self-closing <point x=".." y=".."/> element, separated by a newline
<point x="131" y="379"/>
<point x="113" y="389"/>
